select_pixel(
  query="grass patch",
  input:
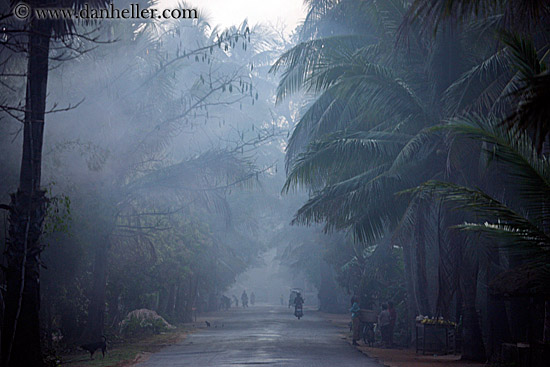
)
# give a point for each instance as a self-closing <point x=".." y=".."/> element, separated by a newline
<point x="125" y="353"/>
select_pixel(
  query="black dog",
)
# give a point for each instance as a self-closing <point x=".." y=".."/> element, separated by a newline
<point x="207" y="324"/>
<point x="92" y="347"/>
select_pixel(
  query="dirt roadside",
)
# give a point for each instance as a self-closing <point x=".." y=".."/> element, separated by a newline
<point x="129" y="352"/>
<point x="397" y="357"/>
<point x="134" y="351"/>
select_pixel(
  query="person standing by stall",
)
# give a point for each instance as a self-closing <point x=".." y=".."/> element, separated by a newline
<point x="384" y="324"/>
<point x="355" y="322"/>
<point x="393" y="319"/>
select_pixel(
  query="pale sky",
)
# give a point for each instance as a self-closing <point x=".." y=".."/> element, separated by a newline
<point x="232" y="12"/>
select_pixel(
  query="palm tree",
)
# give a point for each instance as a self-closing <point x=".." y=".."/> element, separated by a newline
<point x="522" y="27"/>
<point x="518" y="218"/>
<point x="513" y="82"/>
<point x="364" y="137"/>
<point x="21" y="329"/>
<point x="510" y="15"/>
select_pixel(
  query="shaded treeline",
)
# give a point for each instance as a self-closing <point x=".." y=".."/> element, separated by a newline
<point x="424" y="142"/>
<point x="159" y="130"/>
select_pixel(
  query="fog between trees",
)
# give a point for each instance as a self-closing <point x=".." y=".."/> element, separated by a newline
<point x="395" y="150"/>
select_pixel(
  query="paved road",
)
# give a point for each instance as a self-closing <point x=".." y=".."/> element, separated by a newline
<point x="263" y="335"/>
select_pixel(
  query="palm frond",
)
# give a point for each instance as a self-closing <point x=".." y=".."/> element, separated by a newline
<point x="523" y="168"/>
<point x="499" y="218"/>
<point x="367" y="90"/>
<point x="419" y="147"/>
<point x="481" y="86"/>
<point x="519" y="15"/>
<point x="344" y="153"/>
<point x="533" y="111"/>
<point x="365" y="204"/>
<point x="300" y="61"/>
<point x="523" y="53"/>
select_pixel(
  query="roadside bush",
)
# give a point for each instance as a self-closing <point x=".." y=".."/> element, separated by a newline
<point x="143" y="321"/>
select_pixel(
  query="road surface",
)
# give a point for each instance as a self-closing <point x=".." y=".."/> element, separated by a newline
<point x="263" y="335"/>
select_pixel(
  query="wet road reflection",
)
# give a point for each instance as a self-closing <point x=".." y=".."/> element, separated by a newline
<point x="263" y="335"/>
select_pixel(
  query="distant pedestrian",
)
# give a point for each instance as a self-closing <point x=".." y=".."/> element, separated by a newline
<point x="393" y="319"/>
<point x="236" y="300"/>
<point x="355" y="322"/>
<point x="299" y="300"/>
<point x="298" y="305"/>
<point x="384" y="324"/>
<point x="244" y="299"/>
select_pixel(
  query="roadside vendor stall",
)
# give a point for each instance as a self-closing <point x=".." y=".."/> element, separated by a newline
<point x="529" y="282"/>
<point x="435" y="336"/>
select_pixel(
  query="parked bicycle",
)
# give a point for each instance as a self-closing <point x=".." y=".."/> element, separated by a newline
<point x="367" y="319"/>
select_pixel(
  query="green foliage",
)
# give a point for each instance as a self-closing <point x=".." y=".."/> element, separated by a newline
<point x="151" y="165"/>
<point x="368" y="136"/>
<point x="51" y="358"/>
<point x="58" y="213"/>
<point x="141" y="327"/>
<point x="517" y="221"/>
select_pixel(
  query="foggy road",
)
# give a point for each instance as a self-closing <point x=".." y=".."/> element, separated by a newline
<point x="263" y="335"/>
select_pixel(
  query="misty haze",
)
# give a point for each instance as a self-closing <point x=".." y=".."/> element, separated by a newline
<point x="296" y="183"/>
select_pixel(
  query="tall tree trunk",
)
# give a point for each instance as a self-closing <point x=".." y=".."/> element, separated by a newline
<point x="446" y="268"/>
<point x="181" y="301"/>
<point x="96" y="308"/>
<point x="546" y="327"/>
<point x="499" y="330"/>
<point x="473" y="348"/>
<point x="458" y="258"/>
<point x="48" y="314"/>
<point x="171" y="300"/>
<point x="163" y="301"/>
<point x="191" y="299"/>
<point x="412" y="304"/>
<point x="546" y="224"/>
<point x="21" y="327"/>
<point x="519" y="307"/>
<point x="421" y="277"/>
<point x="177" y="300"/>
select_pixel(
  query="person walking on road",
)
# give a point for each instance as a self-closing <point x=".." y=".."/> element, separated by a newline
<point x="298" y="306"/>
<point x="355" y="322"/>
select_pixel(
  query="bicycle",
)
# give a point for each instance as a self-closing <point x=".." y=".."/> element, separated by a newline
<point x="367" y="333"/>
<point x="368" y="319"/>
<point x="366" y="330"/>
